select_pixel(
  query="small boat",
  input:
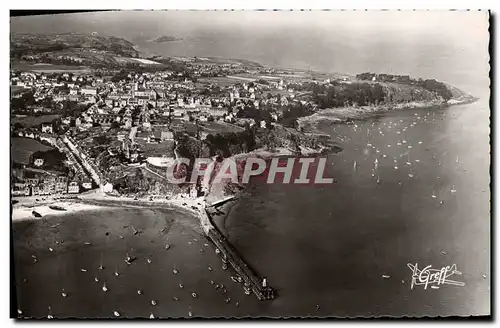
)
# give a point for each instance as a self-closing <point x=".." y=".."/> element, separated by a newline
<point x="36" y="214"/>
<point x="240" y="280"/>
<point x="234" y="279"/>
<point x="247" y="290"/>
<point x="194" y="295"/>
<point x="129" y="259"/>
<point x="57" y="208"/>
<point x="224" y="266"/>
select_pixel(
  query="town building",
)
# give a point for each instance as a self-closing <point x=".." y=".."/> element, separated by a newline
<point x="73" y="187"/>
<point x="38" y="162"/>
<point x="91" y="91"/>
<point x="47" y="128"/>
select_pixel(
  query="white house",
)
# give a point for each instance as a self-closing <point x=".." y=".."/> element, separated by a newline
<point x="73" y="188"/>
<point x="107" y="187"/>
<point x="47" y="127"/>
<point x="88" y="91"/>
<point x="38" y="162"/>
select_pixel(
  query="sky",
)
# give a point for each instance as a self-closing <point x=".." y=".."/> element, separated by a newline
<point x="448" y="45"/>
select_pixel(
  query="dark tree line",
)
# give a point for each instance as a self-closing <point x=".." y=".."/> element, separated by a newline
<point x="429" y="84"/>
<point x="228" y="144"/>
<point x="360" y="94"/>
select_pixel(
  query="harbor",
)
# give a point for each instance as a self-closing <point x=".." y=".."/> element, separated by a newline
<point x="197" y="207"/>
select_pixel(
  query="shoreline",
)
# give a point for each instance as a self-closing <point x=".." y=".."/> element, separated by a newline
<point x="345" y="114"/>
<point x="24" y="212"/>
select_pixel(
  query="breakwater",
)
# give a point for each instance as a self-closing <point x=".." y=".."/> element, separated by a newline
<point x="251" y="281"/>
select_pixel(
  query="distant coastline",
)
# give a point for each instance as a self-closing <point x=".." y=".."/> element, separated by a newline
<point x="166" y="38"/>
<point x="345" y="114"/>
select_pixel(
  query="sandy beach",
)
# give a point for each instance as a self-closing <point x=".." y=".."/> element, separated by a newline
<point x="24" y="210"/>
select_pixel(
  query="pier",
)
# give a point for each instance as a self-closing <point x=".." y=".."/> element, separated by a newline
<point x="251" y="280"/>
<point x="221" y="201"/>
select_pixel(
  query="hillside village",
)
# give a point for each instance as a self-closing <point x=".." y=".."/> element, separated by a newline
<point x="120" y="130"/>
<point x="131" y="123"/>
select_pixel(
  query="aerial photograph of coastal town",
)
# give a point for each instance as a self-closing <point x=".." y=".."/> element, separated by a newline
<point x="250" y="164"/>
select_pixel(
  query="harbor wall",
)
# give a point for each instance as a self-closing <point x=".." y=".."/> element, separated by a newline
<point x="251" y="279"/>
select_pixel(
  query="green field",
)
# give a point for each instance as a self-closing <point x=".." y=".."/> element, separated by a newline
<point x="30" y="121"/>
<point x="48" y="68"/>
<point x="221" y="80"/>
<point x="219" y="127"/>
<point x="15" y="89"/>
<point x="164" y="148"/>
<point x="22" y="148"/>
